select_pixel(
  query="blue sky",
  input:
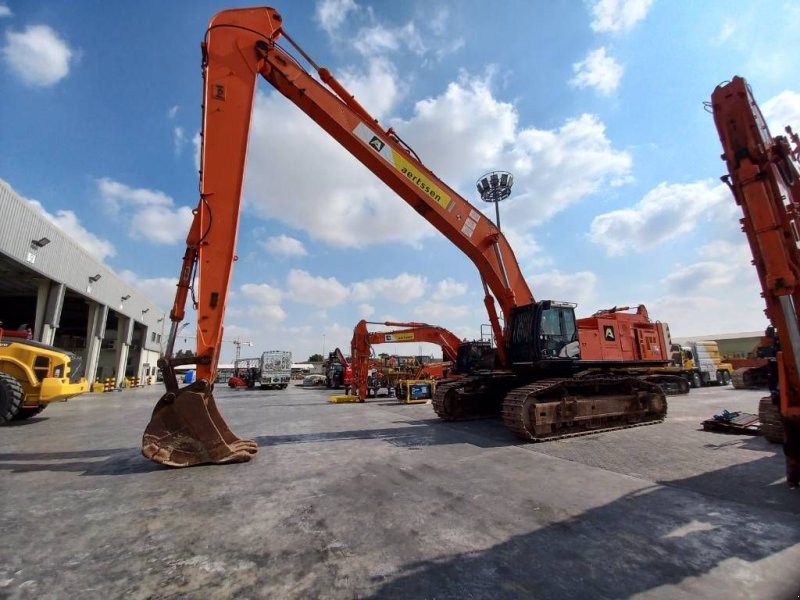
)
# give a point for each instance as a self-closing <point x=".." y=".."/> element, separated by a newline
<point x="595" y="106"/>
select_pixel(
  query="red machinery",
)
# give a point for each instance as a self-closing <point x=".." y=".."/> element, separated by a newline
<point x="338" y="372"/>
<point x="764" y="179"/>
<point x="363" y="340"/>
<point x="536" y="376"/>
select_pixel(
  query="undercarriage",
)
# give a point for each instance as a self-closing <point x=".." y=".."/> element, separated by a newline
<point x="549" y="409"/>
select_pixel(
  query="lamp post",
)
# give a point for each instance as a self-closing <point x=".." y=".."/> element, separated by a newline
<point x="495" y="187"/>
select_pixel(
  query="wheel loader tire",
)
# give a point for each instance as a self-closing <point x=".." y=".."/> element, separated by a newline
<point x="27" y="413"/>
<point x="11" y="396"/>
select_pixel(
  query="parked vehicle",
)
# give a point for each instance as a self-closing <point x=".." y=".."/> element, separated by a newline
<point x="276" y="369"/>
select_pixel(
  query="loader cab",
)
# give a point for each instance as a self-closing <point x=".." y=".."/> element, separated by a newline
<point x="545" y="330"/>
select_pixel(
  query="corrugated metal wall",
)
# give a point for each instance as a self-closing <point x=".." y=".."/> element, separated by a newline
<point x="64" y="261"/>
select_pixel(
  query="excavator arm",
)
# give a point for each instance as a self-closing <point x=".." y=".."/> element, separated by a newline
<point x="241" y="44"/>
<point x="765" y="182"/>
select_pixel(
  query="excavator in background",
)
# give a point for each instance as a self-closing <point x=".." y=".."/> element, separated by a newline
<point x="546" y="380"/>
<point x="764" y="179"/>
<point x="753" y="372"/>
<point x="338" y="372"/>
<point x="363" y="340"/>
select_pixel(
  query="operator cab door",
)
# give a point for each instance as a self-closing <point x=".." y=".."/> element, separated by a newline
<point x="544" y="331"/>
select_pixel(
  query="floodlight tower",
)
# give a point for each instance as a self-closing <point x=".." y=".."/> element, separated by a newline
<point x="495" y="187"/>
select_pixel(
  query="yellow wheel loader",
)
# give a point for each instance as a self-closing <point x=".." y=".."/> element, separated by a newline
<point x="32" y="375"/>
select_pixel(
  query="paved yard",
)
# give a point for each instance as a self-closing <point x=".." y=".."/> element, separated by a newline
<point x="384" y="500"/>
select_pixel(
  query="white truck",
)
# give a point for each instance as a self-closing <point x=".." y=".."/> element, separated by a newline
<point x="276" y="369"/>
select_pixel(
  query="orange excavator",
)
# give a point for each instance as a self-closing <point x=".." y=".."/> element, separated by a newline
<point x="764" y="178"/>
<point x="363" y="340"/>
<point x="546" y="381"/>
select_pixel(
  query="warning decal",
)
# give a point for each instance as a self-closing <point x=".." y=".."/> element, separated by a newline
<point x="608" y="333"/>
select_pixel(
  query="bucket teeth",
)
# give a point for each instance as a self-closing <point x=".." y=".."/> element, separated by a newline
<point x="187" y="429"/>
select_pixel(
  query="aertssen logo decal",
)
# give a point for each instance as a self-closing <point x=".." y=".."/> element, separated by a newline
<point x="398" y="337"/>
<point x="399" y="162"/>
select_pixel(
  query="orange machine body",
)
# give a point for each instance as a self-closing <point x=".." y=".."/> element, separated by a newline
<point x="624" y="336"/>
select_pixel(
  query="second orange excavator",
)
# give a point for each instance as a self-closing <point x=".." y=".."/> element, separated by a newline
<point x="363" y="340"/>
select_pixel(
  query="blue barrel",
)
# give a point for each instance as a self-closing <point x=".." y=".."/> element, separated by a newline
<point x="188" y="376"/>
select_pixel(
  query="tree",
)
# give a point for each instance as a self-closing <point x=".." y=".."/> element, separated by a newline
<point x="184" y="353"/>
<point x="315" y="358"/>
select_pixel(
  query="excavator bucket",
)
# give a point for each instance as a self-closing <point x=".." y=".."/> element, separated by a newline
<point x="187" y="429"/>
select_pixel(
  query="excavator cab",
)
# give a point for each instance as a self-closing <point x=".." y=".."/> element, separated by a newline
<point x="475" y="356"/>
<point x="544" y="330"/>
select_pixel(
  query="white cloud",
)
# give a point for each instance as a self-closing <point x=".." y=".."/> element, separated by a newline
<point x="315" y="186"/>
<point x="401" y="289"/>
<point x="598" y="70"/>
<point x="447" y="289"/>
<point x="694" y="278"/>
<point x="260" y="304"/>
<point x="712" y="297"/>
<point x="262" y="293"/>
<point x="283" y="245"/>
<point x="37" y="55"/>
<point x="365" y="311"/>
<point x="435" y="313"/>
<point x="5" y="11"/>
<point x="180" y="139"/>
<point x="782" y="110"/>
<point x="378" y="39"/>
<point x="376" y="88"/>
<point x="330" y="14"/>
<point x="729" y="27"/>
<point x="159" y="290"/>
<point x="616" y="16"/>
<point x="173" y="111"/>
<point x="577" y="287"/>
<point x="556" y="168"/>
<point x="68" y="222"/>
<point x="269" y="312"/>
<point x="150" y="213"/>
<point x="665" y="212"/>
<point x="317" y="291"/>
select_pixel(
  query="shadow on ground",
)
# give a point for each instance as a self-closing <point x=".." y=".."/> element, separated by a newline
<point x="116" y="461"/>
<point x="680" y="536"/>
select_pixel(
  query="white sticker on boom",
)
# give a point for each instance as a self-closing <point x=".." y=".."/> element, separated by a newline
<point x="369" y="137"/>
<point x="474" y="215"/>
<point x="469" y="228"/>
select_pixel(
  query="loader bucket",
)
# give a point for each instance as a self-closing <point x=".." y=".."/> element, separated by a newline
<point x="187" y="429"/>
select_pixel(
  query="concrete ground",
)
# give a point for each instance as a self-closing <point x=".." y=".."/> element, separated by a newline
<point x="382" y="500"/>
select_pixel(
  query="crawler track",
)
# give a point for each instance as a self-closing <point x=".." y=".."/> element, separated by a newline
<point x="474" y="397"/>
<point x="552" y="409"/>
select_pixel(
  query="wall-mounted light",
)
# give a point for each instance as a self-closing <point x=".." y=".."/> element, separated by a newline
<point x="40" y="243"/>
<point x="94" y="278"/>
<point x="125" y="297"/>
<point x="145" y="310"/>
